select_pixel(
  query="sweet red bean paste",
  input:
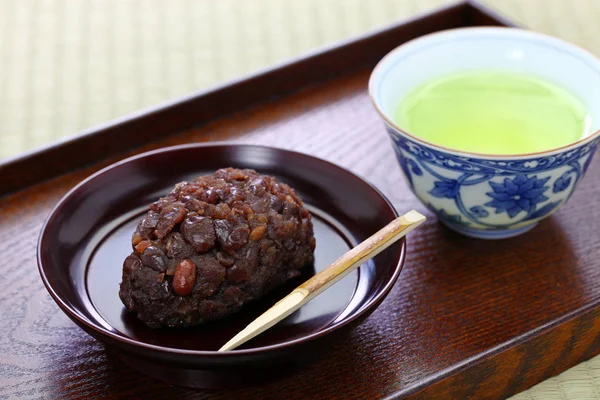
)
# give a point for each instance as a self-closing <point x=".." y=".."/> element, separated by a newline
<point x="212" y="245"/>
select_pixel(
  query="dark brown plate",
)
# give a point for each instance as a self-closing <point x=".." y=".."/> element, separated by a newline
<point x="87" y="236"/>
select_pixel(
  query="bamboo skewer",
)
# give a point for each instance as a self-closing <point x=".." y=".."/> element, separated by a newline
<point x="326" y="278"/>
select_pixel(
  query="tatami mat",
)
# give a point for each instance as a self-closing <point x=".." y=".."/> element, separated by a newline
<point x="70" y="64"/>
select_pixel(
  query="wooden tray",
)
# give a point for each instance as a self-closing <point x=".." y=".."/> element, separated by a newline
<point x="467" y="319"/>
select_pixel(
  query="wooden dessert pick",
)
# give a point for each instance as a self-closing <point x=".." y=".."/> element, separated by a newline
<point x="326" y="278"/>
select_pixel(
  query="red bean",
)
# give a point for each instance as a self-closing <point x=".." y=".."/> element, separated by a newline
<point x="154" y="258"/>
<point x="222" y="210"/>
<point x="170" y="216"/>
<point x="131" y="264"/>
<point x="136" y="238"/>
<point x="184" y="278"/>
<point x="199" y="232"/>
<point x="238" y="237"/>
<point x="142" y="246"/>
<point x="147" y="225"/>
<point x="258" y="232"/>
<point x="177" y="247"/>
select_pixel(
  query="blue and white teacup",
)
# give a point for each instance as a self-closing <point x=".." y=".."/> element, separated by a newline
<point x="486" y="195"/>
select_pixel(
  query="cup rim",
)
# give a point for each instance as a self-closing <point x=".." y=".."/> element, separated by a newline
<point x="404" y="132"/>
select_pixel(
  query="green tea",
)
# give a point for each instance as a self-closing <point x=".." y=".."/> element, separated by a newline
<point x="493" y="112"/>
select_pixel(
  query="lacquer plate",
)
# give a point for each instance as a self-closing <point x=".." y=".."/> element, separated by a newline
<point x="87" y="236"/>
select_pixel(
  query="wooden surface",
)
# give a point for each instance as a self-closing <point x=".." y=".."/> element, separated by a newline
<point x="458" y="302"/>
<point x="467" y="318"/>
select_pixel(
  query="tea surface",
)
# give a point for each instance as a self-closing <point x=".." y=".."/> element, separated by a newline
<point x="493" y="112"/>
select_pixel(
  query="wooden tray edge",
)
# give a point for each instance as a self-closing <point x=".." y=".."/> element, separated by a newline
<point x="515" y="366"/>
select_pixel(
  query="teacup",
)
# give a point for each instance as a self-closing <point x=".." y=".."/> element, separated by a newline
<point x="485" y="195"/>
